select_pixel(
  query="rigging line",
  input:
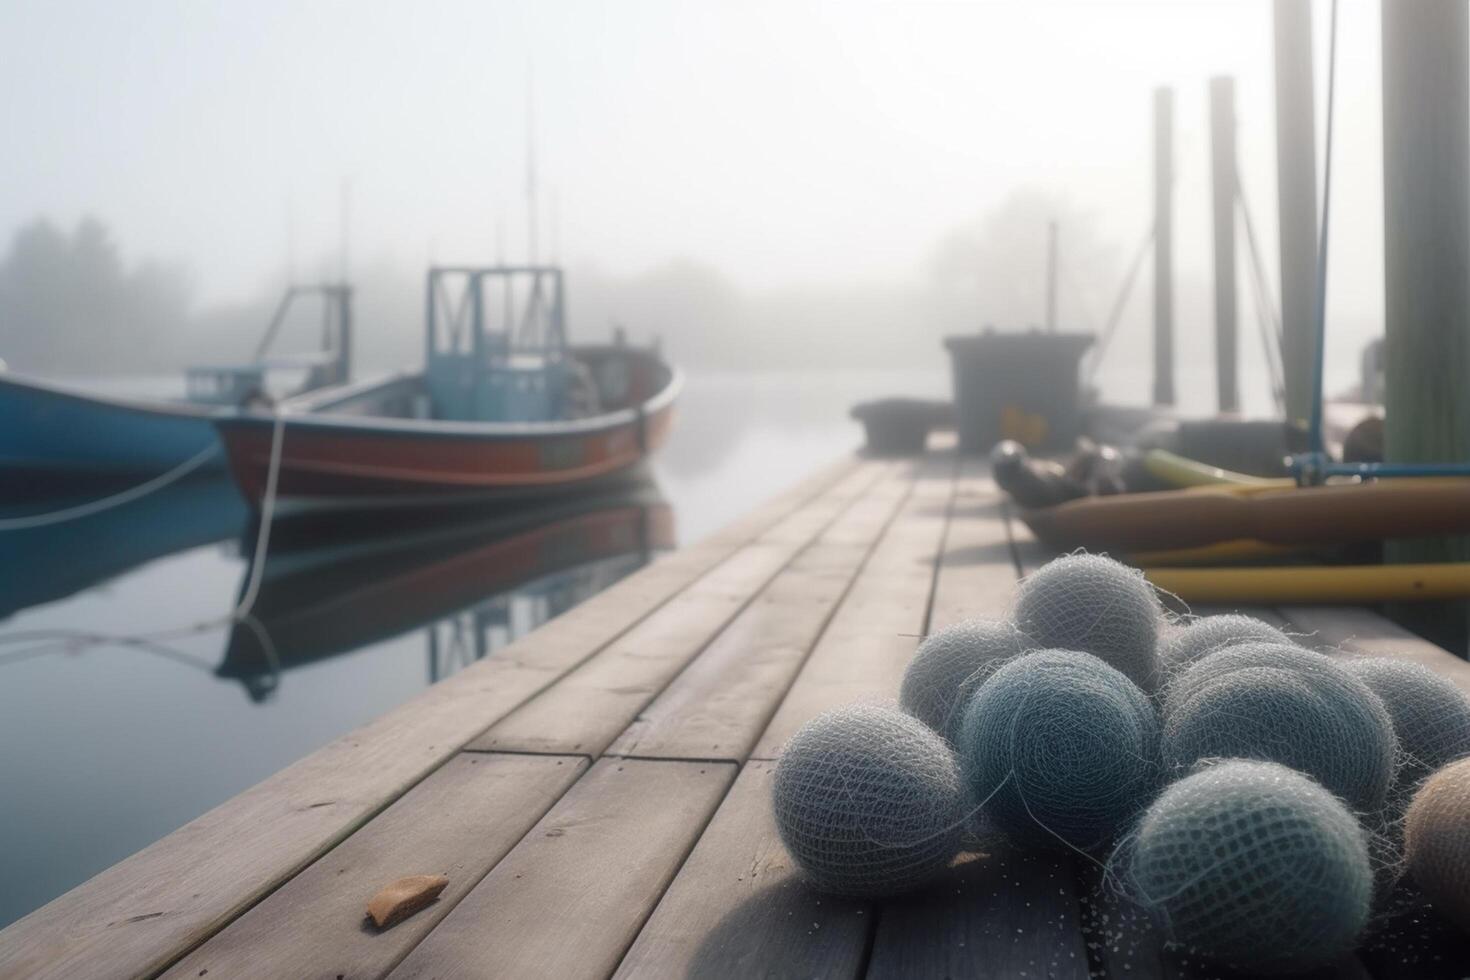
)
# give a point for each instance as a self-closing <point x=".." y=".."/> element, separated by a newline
<point x="115" y="500"/>
<point x="1257" y="266"/>
<point x="1115" y="314"/>
<point x="1318" y="445"/>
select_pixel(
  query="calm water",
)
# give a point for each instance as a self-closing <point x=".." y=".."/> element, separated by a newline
<point x="107" y="745"/>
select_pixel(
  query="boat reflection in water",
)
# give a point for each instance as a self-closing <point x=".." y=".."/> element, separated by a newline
<point x="473" y="579"/>
<point x="55" y="560"/>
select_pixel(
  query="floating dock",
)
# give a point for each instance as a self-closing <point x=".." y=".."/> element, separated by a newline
<point x="598" y="792"/>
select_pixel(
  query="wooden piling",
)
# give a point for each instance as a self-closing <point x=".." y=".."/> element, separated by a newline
<point x="1222" y="144"/>
<point x="1296" y="189"/>
<point x="1163" y="246"/>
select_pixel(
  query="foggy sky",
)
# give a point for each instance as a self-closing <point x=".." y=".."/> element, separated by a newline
<point x="789" y="145"/>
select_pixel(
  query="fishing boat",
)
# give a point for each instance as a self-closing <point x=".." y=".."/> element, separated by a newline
<point x="473" y="578"/>
<point x="52" y="431"/>
<point x="505" y="407"/>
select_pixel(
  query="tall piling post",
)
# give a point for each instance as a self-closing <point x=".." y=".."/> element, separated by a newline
<point x="1296" y="189"/>
<point x="1223" y="178"/>
<point x="1163" y="246"/>
<point x="1426" y="157"/>
<point x="1051" y="277"/>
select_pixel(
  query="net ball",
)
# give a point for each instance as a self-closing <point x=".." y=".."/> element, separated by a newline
<point x="1204" y="636"/>
<point x="1319" y="720"/>
<point x="1287" y="656"/>
<point x="1431" y="716"/>
<point x="1437" y="840"/>
<point x="1098" y="606"/>
<point x="1059" y="749"/>
<point x="867" y="801"/>
<point x="950" y="664"/>
<point x="1254" y="864"/>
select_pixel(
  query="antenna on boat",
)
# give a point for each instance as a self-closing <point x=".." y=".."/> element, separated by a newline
<point x="530" y="162"/>
<point x="290" y="238"/>
<point x="344" y="202"/>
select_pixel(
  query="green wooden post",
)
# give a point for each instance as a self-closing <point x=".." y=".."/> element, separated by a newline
<point x="1296" y="188"/>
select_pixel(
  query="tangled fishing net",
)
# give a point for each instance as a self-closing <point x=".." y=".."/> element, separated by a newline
<point x="1204" y="636"/>
<point x="950" y="664"/>
<point x="1060" y="749"/>
<point x="1254" y="864"/>
<point x="1431" y="716"/>
<point x="1437" y="840"/>
<point x="867" y="801"/>
<point x="1307" y="712"/>
<point x="1098" y="606"/>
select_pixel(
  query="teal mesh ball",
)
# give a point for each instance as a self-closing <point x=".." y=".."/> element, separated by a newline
<point x="1182" y="684"/>
<point x="1312" y="716"/>
<point x="1059" y="749"/>
<point x="950" y="664"/>
<point x="1095" y="605"/>
<point x="1253" y="864"/>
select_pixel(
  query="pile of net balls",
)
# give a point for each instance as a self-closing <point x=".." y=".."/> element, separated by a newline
<point x="1246" y="791"/>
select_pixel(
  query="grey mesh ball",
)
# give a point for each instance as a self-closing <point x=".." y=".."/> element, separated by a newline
<point x="1431" y="716"/>
<point x="867" y="801"/>
<point x="1060" y="750"/>
<point x="950" y="664"/>
<point x="1254" y="864"/>
<point x="1098" y="606"/>
<point x="1317" y="719"/>
<point x="1205" y="635"/>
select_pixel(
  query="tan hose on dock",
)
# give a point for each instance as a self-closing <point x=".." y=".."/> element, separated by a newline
<point x="1320" y="584"/>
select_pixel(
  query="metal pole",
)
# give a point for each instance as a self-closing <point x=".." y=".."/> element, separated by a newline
<point x="1051" y="277"/>
<point x="1222" y="142"/>
<point x="1296" y="187"/>
<point x="1426" y="157"/>
<point x="1163" y="246"/>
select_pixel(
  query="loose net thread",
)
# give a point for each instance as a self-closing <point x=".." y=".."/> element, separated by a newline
<point x="867" y="801"/>
<point x="1252" y="863"/>
<point x="1061" y="748"/>
<point x="1093" y="604"/>
<point x="950" y="665"/>
<point x="1284" y="704"/>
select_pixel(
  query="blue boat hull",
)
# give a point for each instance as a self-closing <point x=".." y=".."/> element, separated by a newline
<point x="51" y="430"/>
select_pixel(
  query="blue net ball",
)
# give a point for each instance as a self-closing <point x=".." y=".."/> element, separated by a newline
<point x="950" y="664"/>
<point x="1060" y="749"/>
<point x="1253" y="864"/>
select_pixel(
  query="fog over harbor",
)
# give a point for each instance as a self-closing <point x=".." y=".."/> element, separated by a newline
<point x="762" y="185"/>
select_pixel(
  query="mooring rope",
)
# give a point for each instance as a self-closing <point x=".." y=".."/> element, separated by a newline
<point x="51" y="640"/>
<point x="127" y="496"/>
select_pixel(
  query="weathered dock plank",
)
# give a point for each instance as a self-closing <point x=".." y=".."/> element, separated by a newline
<point x="1003" y="913"/>
<point x="737" y="908"/>
<point x="458" y="822"/>
<point x="570" y="898"/>
<point x="863" y="651"/>
<point x="720" y="703"/>
<point x="595" y="703"/>
<point x="139" y="916"/>
<point x="1356" y="630"/>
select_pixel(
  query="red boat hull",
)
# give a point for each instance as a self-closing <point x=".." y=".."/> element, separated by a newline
<point x="356" y="459"/>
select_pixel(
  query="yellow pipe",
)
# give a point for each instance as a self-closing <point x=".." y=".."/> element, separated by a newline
<point x="1316" y="584"/>
<point x="1208" y="554"/>
<point x="1179" y="471"/>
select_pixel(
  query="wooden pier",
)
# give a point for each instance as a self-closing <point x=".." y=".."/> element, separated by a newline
<point x="598" y="792"/>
